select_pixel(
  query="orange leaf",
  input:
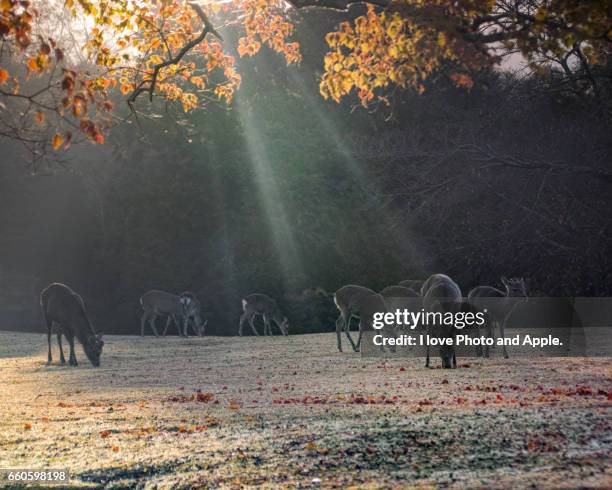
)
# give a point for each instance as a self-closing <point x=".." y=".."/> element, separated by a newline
<point x="40" y="117"/>
<point x="115" y="449"/>
<point x="4" y="76"/>
<point x="32" y="64"/>
<point x="27" y="426"/>
<point x="57" y="141"/>
<point x="99" y="138"/>
<point x="104" y="434"/>
<point x="204" y="397"/>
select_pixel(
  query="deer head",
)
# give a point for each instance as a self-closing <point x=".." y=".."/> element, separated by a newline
<point x="284" y="326"/>
<point x="515" y="286"/>
<point x="93" y="348"/>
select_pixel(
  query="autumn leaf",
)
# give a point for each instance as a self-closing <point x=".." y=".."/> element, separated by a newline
<point x="57" y="141"/>
<point x="27" y="426"/>
<point x="4" y="76"/>
<point x="104" y="434"/>
<point x="235" y="405"/>
<point x="40" y="117"/>
<point x="204" y="397"/>
<point x="115" y="449"/>
<point x="32" y="64"/>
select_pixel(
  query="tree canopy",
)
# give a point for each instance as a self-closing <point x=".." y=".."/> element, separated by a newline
<point x="63" y="62"/>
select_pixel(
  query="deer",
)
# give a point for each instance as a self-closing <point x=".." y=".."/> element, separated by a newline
<point x="261" y="304"/>
<point x="399" y="298"/>
<point x="65" y="309"/>
<point x="161" y="303"/>
<point x="414" y="284"/>
<point x="192" y="308"/>
<point x="342" y="300"/>
<point x="441" y="294"/>
<point x="498" y="305"/>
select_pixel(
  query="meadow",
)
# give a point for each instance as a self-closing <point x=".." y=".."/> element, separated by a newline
<point x="291" y="412"/>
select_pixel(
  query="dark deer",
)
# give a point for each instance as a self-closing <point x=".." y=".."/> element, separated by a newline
<point x="400" y="298"/>
<point x="192" y="307"/>
<point x="414" y="284"/>
<point x="342" y="300"/>
<point x="441" y="295"/>
<point x="65" y="308"/>
<point x="161" y="303"/>
<point x="261" y="304"/>
<point x="499" y="305"/>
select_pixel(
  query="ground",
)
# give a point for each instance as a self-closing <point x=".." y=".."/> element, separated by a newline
<point x="292" y="412"/>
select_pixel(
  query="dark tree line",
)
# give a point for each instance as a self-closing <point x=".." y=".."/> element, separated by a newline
<point x="292" y="196"/>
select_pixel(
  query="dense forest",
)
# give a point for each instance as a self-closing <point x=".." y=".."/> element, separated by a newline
<point x="291" y="195"/>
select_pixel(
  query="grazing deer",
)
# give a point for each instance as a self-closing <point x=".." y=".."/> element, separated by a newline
<point x="192" y="307"/>
<point x="342" y="300"/>
<point x="62" y="306"/>
<point x="414" y="284"/>
<point x="499" y="305"/>
<point x="261" y="304"/>
<point x="365" y="306"/>
<point x="400" y="298"/>
<point x="441" y="295"/>
<point x="160" y="303"/>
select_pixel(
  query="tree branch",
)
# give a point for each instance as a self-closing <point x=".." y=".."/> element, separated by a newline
<point x="208" y="29"/>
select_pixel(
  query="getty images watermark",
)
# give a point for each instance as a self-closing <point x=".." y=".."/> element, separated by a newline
<point x="538" y="327"/>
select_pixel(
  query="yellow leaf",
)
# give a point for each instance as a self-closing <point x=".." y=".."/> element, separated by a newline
<point x="441" y="39"/>
<point x="540" y="15"/>
<point x="57" y="141"/>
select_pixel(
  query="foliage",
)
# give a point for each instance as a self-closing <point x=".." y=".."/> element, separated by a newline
<point x="58" y="86"/>
<point x="411" y="40"/>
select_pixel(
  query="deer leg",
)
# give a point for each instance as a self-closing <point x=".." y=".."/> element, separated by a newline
<point x="489" y="335"/>
<point x="152" y="319"/>
<point x="339" y="325"/>
<point x="393" y="330"/>
<point x="185" y="326"/>
<point x="143" y="320"/>
<point x="358" y="346"/>
<point x="49" y="327"/>
<point x="427" y="347"/>
<point x="454" y="359"/>
<point x="179" y="327"/>
<point x="251" y="320"/>
<point x="347" y="330"/>
<point x="169" y="319"/>
<point x="502" y="334"/>
<point x="243" y="319"/>
<point x="59" y="342"/>
<point x="478" y="347"/>
<point x="192" y="324"/>
<point x="267" y="326"/>
<point x="73" y="360"/>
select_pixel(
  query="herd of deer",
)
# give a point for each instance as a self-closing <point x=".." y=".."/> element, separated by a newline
<point x="64" y="311"/>
<point x="437" y="293"/>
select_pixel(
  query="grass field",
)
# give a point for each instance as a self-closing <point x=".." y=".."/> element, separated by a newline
<point x="292" y="412"/>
